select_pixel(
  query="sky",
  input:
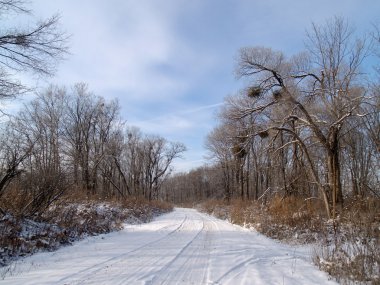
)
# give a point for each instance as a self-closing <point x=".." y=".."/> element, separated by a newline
<point x="170" y="63"/>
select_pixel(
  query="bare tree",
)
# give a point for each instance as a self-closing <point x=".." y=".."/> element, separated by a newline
<point x="36" y="48"/>
<point x="15" y="148"/>
<point x="40" y="125"/>
<point x="219" y="145"/>
<point x="91" y="130"/>
<point x="316" y="91"/>
<point x="158" y="157"/>
<point x="42" y="121"/>
<point x="142" y="163"/>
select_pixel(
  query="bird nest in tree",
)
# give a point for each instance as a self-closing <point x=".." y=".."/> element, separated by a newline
<point x="21" y="40"/>
<point x="238" y="151"/>
<point x="243" y="137"/>
<point x="277" y="94"/>
<point x="254" y="92"/>
<point x="263" y="134"/>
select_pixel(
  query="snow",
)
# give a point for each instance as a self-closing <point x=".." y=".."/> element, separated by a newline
<point x="182" y="247"/>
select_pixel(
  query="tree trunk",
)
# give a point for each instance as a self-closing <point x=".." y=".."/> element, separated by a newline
<point x="334" y="180"/>
<point x="227" y="192"/>
<point x="256" y="193"/>
<point x="242" y="185"/>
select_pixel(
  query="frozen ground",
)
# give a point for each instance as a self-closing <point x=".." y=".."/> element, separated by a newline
<point x="182" y="247"/>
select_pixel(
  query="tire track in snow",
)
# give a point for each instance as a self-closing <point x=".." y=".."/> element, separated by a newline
<point x="192" y="263"/>
<point x="90" y="271"/>
<point x="161" y="262"/>
<point x="132" y="266"/>
<point x="189" y="252"/>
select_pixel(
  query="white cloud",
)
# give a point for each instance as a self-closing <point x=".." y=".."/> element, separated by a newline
<point x="122" y="47"/>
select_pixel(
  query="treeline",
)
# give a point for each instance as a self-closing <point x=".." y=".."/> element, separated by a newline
<point x="71" y="140"/>
<point x="198" y="185"/>
<point x="306" y="125"/>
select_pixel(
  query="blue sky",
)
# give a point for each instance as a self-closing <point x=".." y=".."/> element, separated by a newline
<point x="170" y="63"/>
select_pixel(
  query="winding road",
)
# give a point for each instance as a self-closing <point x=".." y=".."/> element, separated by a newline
<point x="182" y="247"/>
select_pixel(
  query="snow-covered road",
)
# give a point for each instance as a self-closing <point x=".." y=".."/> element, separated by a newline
<point x="182" y="247"/>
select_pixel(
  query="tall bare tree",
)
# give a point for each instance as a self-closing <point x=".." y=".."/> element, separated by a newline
<point x="316" y="91"/>
<point x="36" y="48"/>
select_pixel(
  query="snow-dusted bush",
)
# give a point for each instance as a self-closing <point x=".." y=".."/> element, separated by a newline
<point x="351" y="252"/>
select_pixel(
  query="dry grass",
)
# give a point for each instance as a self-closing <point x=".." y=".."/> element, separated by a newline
<point x="281" y="218"/>
<point x="217" y="208"/>
<point x="14" y="200"/>
<point x="186" y="205"/>
<point x="294" y="211"/>
<point x="291" y="217"/>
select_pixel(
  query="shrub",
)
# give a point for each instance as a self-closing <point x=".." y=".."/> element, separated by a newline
<point x="352" y="251"/>
<point x="70" y="219"/>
